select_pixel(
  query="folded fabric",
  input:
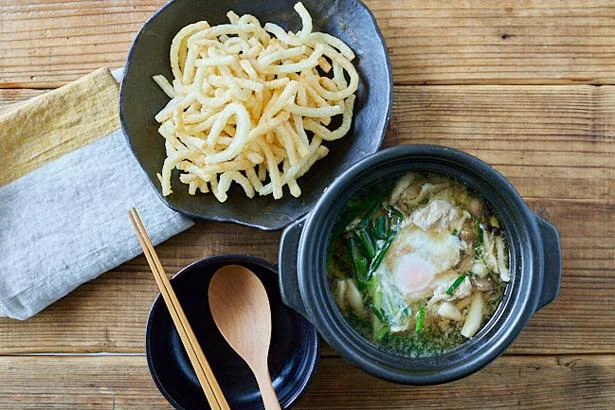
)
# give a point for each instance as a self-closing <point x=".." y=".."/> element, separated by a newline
<point x="67" y="181"/>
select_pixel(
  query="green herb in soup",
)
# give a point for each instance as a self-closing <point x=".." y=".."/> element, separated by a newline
<point x="418" y="266"/>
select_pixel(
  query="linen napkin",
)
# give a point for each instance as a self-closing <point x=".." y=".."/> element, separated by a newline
<point x="67" y="181"/>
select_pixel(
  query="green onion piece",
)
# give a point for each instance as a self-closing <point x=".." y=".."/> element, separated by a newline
<point x="420" y="318"/>
<point x="374" y="291"/>
<point x="456" y="284"/>
<point x="393" y="211"/>
<point x="362" y="207"/>
<point x="378" y="258"/>
<point x="379" y="329"/>
<point x="367" y="218"/>
<point x="359" y="263"/>
<point x="454" y="233"/>
<point x="381" y="227"/>
<point x="394" y="228"/>
<point x="380" y="315"/>
<point x="478" y="248"/>
<point x="368" y="243"/>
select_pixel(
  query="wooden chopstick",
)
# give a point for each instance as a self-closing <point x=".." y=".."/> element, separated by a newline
<point x="205" y="375"/>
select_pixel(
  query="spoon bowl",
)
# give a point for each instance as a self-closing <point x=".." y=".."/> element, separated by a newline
<point x="240" y="307"/>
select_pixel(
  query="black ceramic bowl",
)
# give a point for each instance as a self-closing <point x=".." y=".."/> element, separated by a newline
<point x="535" y="265"/>
<point x="141" y="99"/>
<point x="293" y="353"/>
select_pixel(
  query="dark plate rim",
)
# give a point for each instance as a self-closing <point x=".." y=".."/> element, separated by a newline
<point x="228" y="258"/>
<point x="224" y="218"/>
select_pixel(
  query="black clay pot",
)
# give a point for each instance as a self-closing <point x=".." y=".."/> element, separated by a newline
<point x="535" y="261"/>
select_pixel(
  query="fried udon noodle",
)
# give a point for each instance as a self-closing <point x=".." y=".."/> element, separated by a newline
<point x="252" y="104"/>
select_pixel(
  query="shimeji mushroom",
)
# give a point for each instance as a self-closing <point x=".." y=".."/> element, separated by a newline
<point x="474" y="317"/>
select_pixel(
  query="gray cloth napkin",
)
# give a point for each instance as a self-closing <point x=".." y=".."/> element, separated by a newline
<point x="67" y="222"/>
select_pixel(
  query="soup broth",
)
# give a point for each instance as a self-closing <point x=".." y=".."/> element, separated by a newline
<point x="418" y="265"/>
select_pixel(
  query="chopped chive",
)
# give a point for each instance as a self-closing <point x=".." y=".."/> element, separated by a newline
<point x="420" y="318"/>
<point x="455" y="232"/>
<point x="456" y="284"/>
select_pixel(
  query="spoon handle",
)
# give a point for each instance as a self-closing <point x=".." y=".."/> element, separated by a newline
<point x="270" y="399"/>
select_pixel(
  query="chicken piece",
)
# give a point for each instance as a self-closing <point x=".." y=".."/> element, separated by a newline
<point x="439" y="293"/>
<point x="438" y="213"/>
<point x="412" y="196"/>
<point x="401" y="186"/>
<point x="466" y="263"/>
<point x="464" y="289"/>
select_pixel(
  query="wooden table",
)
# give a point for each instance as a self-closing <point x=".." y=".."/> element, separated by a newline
<point x="526" y="86"/>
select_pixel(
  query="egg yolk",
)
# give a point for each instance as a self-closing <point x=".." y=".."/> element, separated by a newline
<point x="412" y="274"/>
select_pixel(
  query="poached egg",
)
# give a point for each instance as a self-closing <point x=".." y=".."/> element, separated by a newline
<point x="418" y="259"/>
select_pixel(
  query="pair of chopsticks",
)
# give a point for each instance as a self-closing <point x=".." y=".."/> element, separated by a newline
<point x="208" y="381"/>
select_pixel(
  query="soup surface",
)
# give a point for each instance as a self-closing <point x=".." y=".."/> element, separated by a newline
<point x="418" y="265"/>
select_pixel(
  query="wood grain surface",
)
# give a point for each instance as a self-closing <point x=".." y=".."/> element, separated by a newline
<point x="555" y="143"/>
<point x="524" y="85"/>
<point x="47" y="43"/>
<point x="554" y="382"/>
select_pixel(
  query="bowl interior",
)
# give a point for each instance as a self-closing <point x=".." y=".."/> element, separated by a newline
<point x="141" y="100"/>
<point x="493" y="336"/>
<point x="293" y="353"/>
<point x="389" y="178"/>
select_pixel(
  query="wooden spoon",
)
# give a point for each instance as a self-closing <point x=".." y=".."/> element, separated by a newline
<point x="240" y="307"/>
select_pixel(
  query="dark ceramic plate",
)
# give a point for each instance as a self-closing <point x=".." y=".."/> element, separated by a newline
<point x="293" y="353"/>
<point x="141" y="99"/>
